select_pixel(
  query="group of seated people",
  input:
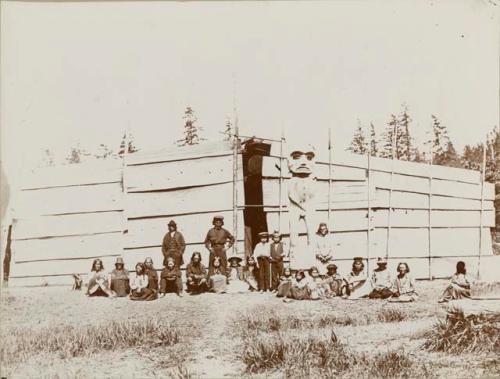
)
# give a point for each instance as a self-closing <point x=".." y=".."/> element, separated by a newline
<point x="146" y="285"/>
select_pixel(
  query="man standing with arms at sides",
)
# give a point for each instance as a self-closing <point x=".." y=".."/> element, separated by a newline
<point x="216" y="240"/>
<point x="173" y="245"/>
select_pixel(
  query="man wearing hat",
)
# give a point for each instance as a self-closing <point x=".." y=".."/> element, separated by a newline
<point x="334" y="280"/>
<point x="119" y="279"/>
<point x="216" y="240"/>
<point x="381" y="281"/>
<point x="262" y="252"/>
<point x="173" y="245"/>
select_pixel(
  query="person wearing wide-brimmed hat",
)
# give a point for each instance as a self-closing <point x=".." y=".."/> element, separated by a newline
<point x="173" y="245"/>
<point x="236" y="283"/>
<point x="262" y="252"/>
<point x="381" y="281"/>
<point x="217" y="241"/>
<point x="119" y="279"/>
<point x="277" y="256"/>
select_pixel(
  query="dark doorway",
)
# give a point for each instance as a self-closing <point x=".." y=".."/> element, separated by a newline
<point x="255" y="218"/>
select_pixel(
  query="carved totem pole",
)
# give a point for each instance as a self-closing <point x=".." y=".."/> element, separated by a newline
<point x="302" y="205"/>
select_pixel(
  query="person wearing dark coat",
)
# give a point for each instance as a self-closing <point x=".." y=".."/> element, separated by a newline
<point x="152" y="275"/>
<point x="196" y="274"/>
<point x="277" y="255"/>
<point x="173" y="245"/>
<point x="217" y="241"/>
<point x="171" y="280"/>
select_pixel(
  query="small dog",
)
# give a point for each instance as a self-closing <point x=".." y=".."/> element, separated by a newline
<point x="77" y="285"/>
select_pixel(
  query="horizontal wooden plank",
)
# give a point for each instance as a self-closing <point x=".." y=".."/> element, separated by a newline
<point x="415" y="218"/>
<point x="343" y="194"/>
<point x="63" y="200"/>
<point x="96" y="172"/>
<point x="340" y="221"/>
<point x="68" y="247"/>
<point x="68" y="225"/>
<point x="412" y="200"/>
<point x="439" y="187"/>
<point x="59" y="267"/>
<point x="270" y="169"/>
<point x="343" y="158"/>
<point x="444" y="242"/>
<point x="174" y="153"/>
<point x="212" y="198"/>
<point x="150" y="231"/>
<point x="181" y="174"/>
<point x="42" y="281"/>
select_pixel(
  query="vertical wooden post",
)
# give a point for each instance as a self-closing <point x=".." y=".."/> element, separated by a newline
<point x="281" y="181"/>
<point x="329" y="176"/>
<point x="235" y="184"/>
<point x="429" y="216"/>
<point x="368" y="200"/>
<point x="389" y="225"/>
<point x="483" y="170"/>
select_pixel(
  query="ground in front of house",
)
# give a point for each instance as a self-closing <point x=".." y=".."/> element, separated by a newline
<point x="58" y="333"/>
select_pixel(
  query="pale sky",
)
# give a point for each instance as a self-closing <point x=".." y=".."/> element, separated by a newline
<point x="86" y="71"/>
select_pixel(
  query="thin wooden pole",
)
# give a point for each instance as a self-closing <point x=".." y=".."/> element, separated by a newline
<point x="281" y="181"/>
<point x="389" y="221"/>
<point x="483" y="169"/>
<point x="329" y="176"/>
<point x="368" y="193"/>
<point x="429" y="216"/>
<point x="235" y="185"/>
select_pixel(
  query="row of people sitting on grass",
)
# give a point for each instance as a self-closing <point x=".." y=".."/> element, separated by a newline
<point x="356" y="285"/>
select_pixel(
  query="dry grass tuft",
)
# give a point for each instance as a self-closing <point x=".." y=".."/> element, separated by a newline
<point x="392" y="315"/>
<point x="295" y="353"/>
<point x="460" y="334"/>
<point x="71" y="341"/>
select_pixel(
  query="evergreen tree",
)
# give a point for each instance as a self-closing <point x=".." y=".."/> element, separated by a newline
<point x="76" y="155"/>
<point x="443" y="151"/>
<point x="373" y="138"/>
<point x="388" y="140"/>
<point x="228" y="130"/>
<point x="404" y="150"/>
<point x="191" y="129"/>
<point x="358" y="145"/>
<point x="127" y="144"/>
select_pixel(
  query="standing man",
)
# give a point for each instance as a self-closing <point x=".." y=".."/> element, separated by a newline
<point x="277" y="255"/>
<point x="173" y="245"/>
<point x="216" y="240"/>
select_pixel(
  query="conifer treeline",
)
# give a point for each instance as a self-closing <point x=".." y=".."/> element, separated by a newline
<point x="396" y="140"/>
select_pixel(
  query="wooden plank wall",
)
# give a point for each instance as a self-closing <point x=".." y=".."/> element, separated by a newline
<point x="65" y="217"/>
<point x="189" y="185"/>
<point x="455" y="211"/>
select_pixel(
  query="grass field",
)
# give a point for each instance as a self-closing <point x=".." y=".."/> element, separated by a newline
<point x="57" y="333"/>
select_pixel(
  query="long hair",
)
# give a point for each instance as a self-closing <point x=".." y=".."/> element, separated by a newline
<point x="319" y="228"/>
<point x="406" y="265"/>
<point x="141" y="266"/>
<point x="461" y="268"/>
<point x="145" y="266"/>
<point x="198" y="254"/>
<point x="94" y="263"/>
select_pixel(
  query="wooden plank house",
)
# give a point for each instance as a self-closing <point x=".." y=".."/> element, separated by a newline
<point x="429" y="216"/>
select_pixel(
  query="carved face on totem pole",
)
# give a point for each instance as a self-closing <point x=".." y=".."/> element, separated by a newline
<point x="301" y="161"/>
<point x="301" y="205"/>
